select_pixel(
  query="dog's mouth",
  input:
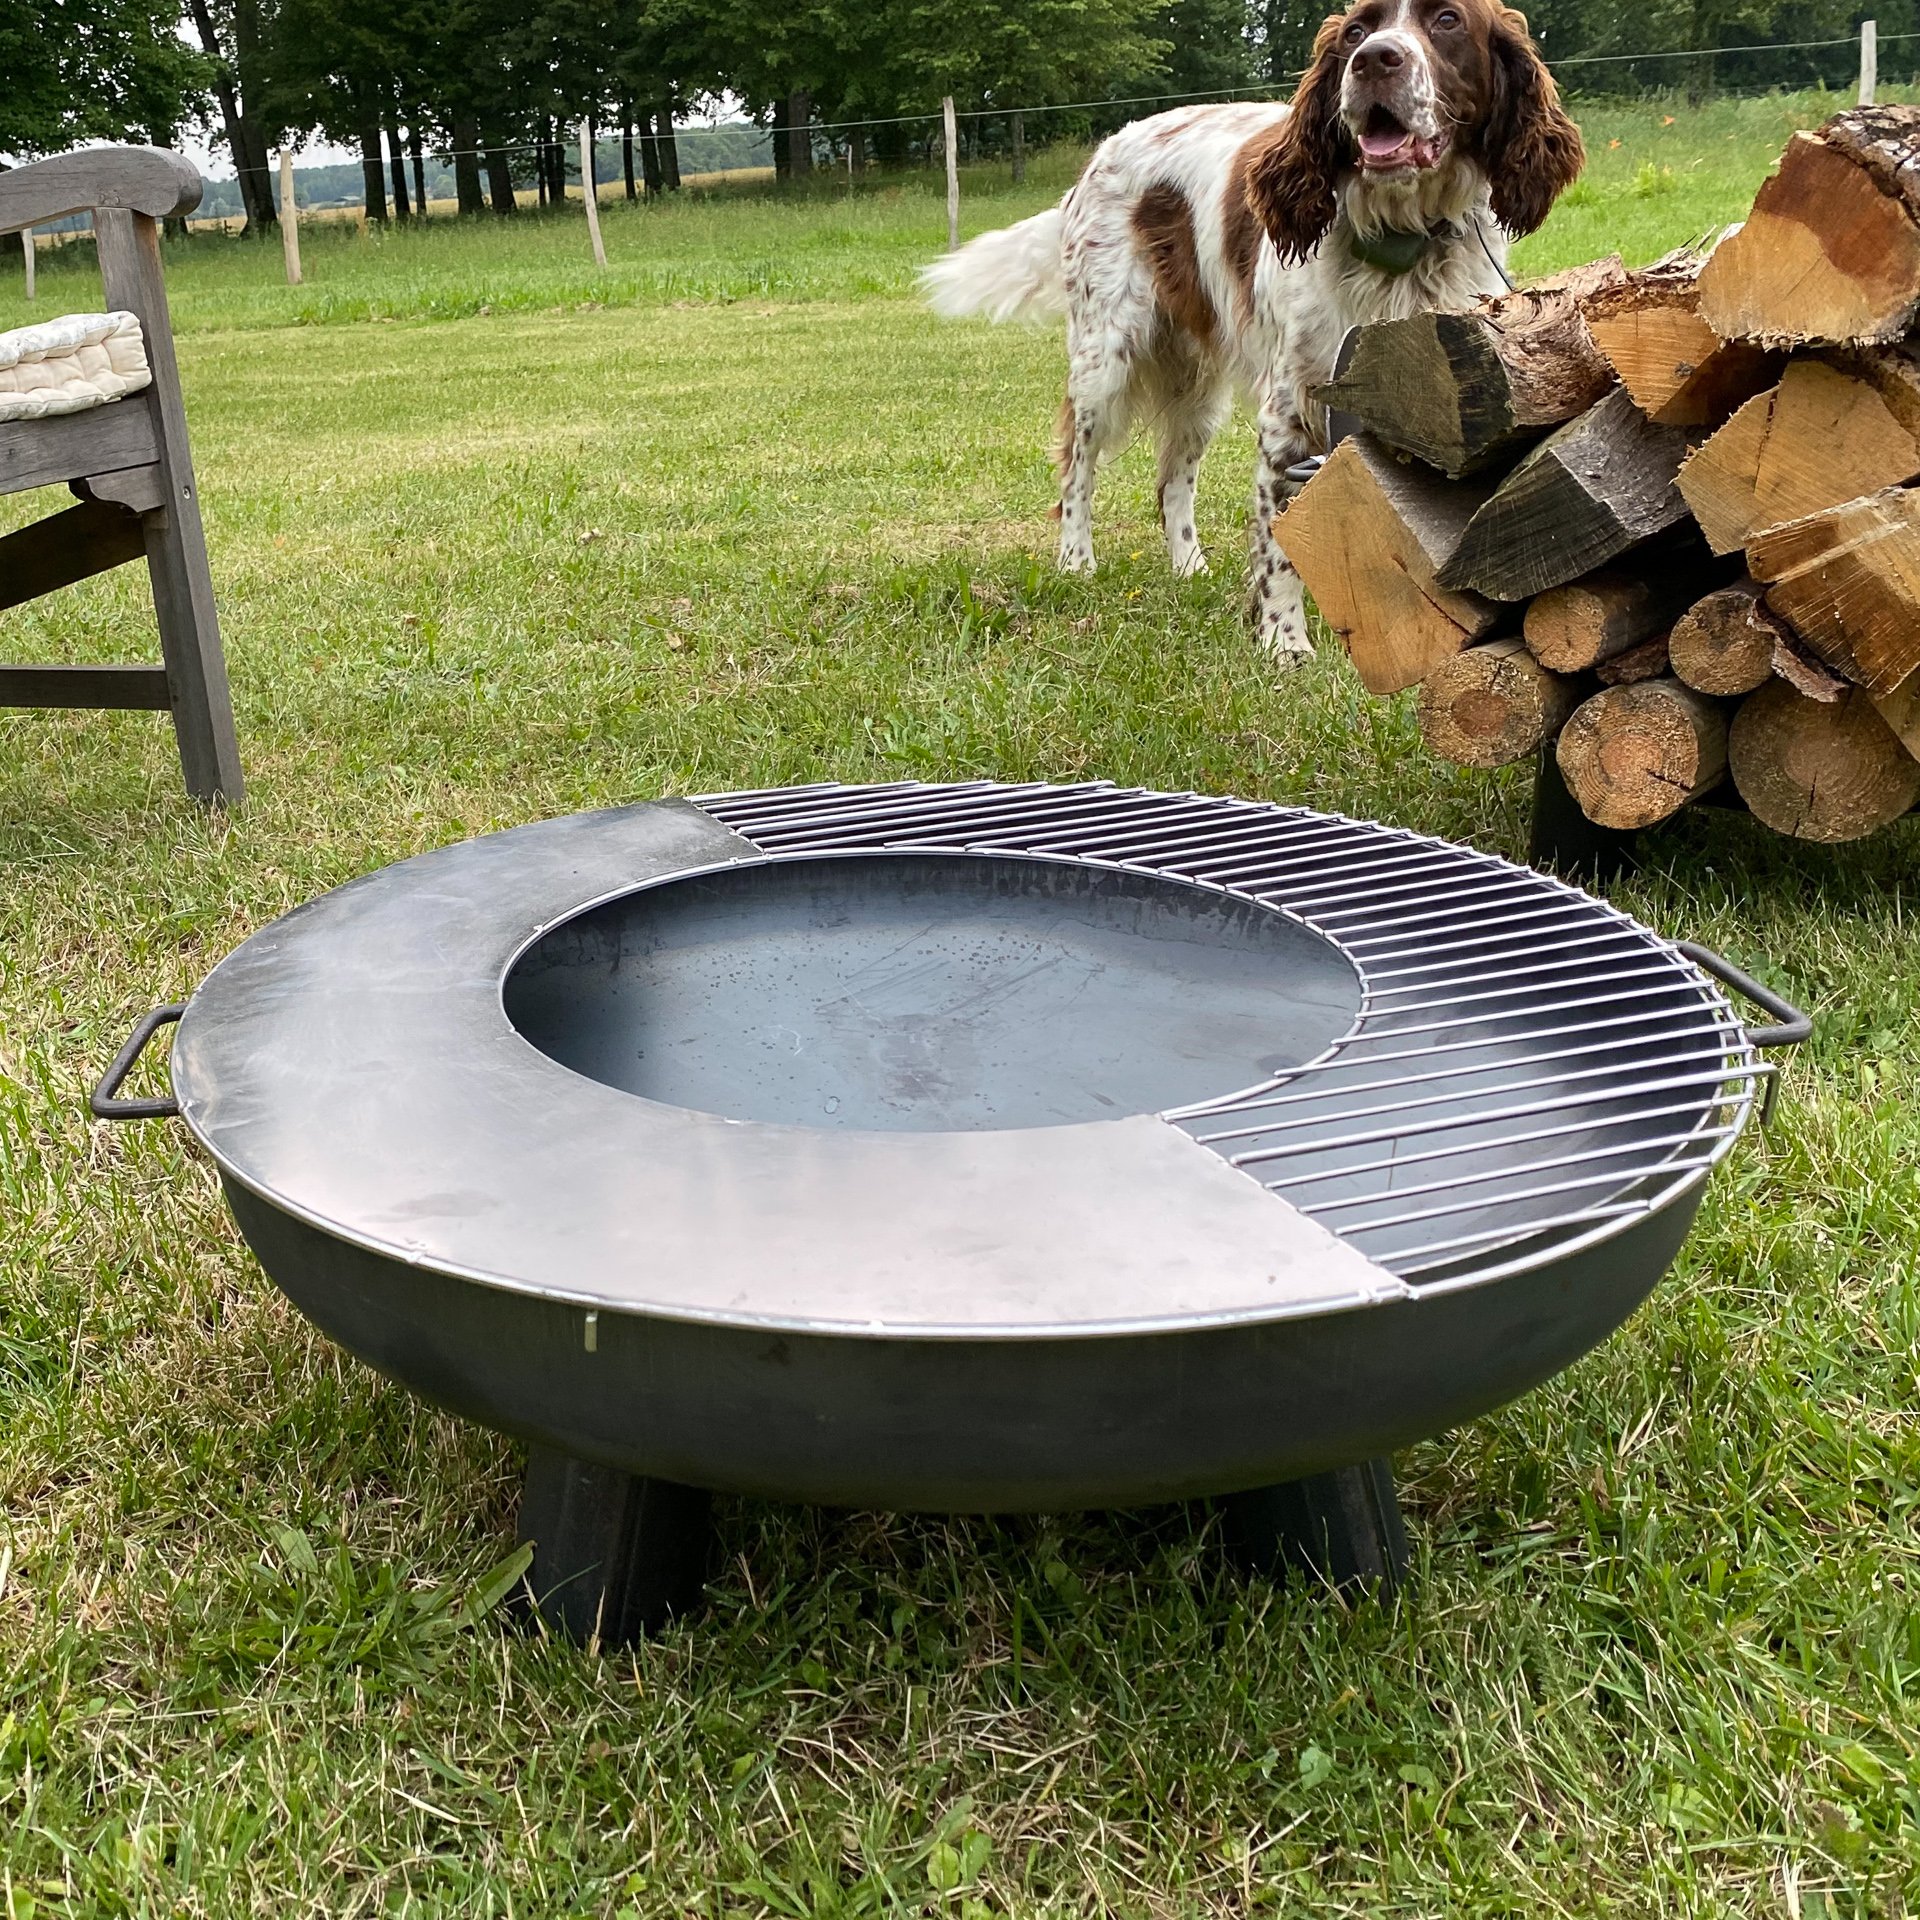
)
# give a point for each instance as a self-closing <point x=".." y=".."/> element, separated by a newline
<point x="1387" y="145"/>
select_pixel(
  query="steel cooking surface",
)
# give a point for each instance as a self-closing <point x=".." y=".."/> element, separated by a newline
<point x="931" y="991"/>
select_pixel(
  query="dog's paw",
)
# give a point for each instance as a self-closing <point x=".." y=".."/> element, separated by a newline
<point x="1077" y="560"/>
<point x="1192" y="566"/>
<point x="1287" y="646"/>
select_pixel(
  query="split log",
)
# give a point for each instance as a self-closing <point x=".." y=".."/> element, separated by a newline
<point x="1587" y="621"/>
<point x="1893" y="372"/>
<point x="1493" y="704"/>
<point x="1848" y="583"/>
<point x="1820" y="772"/>
<point x="1725" y="643"/>
<point x="1457" y="390"/>
<point x="1647" y="661"/>
<point x="1900" y="709"/>
<point x="1633" y="755"/>
<point x="1583" y="496"/>
<point x="1678" y="370"/>
<point x="1831" y="250"/>
<point x="1369" y="534"/>
<point x="1818" y="439"/>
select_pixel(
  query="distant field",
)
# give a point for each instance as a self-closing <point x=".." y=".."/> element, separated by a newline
<point x="498" y="536"/>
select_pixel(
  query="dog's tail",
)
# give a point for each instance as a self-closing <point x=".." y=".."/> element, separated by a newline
<point x="1013" y="274"/>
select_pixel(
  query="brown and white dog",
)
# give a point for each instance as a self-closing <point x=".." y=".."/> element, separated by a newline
<point x="1225" y="247"/>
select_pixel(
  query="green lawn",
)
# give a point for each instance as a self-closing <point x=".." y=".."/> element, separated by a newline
<point x="737" y="512"/>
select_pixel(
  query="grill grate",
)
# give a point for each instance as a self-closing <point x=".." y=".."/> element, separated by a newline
<point x="1528" y="1068"/>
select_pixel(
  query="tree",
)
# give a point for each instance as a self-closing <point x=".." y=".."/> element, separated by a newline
<point x="98" y="70"/>
<point x="233" y="39"/>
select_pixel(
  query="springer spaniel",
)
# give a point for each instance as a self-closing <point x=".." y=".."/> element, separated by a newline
<point x="1233" y="246"/>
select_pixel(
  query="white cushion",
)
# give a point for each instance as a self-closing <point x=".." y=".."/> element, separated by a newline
<point x="65" y="366"/>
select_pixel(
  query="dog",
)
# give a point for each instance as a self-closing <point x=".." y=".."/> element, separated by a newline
<point x="1228" y="247"/>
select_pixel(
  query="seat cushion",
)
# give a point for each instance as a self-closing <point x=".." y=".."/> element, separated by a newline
<point x="67" y="365"/>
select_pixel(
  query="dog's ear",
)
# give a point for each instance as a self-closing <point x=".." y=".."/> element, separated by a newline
<point x="1532" y="151"/>
<point x="1293" y="178"/>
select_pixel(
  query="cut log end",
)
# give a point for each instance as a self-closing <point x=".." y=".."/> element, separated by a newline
<point x="1724" y="644"/>
<point x="1633" y="755"/>
<point x="1492" y="705"/>
<point x="1820" y="771"/>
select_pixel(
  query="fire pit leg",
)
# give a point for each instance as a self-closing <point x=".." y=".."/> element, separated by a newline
<point x="614" y="1556"/>
<point x="1341" y="1527"/>
<point x="1563" y="840"/>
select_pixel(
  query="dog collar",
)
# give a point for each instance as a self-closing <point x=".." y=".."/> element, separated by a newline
<point x="1396" y="252"/>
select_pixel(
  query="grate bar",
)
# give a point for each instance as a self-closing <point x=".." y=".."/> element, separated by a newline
<point x="1473" y="935"/>
<point x="1600" y="937"/>
<point x="1562" y="1227"/>
<point x="1481" y="1118"/>
<point x="1533" y="1137"/>
<point x="1540" y="973"/>
<point x="1488" y="1176"/>
<point x="1426" y="1079"/>
<point x="1033" y="801"/>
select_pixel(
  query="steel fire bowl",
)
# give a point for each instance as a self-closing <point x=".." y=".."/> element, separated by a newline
<point x="967" y="1148"/>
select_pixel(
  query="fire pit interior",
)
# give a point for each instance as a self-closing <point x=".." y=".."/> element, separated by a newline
<point x="930" y="991"/>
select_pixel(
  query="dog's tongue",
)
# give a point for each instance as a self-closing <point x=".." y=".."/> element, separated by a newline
<point x="1397" y="150"/>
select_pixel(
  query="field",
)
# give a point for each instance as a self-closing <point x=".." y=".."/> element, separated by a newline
<point x="498" y="536"/>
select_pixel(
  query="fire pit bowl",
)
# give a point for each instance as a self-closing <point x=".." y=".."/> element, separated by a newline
<point x="966" y="1148"/>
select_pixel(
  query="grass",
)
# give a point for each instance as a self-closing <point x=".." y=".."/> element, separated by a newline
<point x="742" y="523"/>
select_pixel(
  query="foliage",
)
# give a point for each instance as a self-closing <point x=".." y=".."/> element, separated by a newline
<point x="94" y="70"/>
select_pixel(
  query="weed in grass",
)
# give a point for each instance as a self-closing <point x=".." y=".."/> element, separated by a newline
<point x="1659" y="1655"/>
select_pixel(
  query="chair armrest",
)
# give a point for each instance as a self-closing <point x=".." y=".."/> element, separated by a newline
<point x="147" y="180"/>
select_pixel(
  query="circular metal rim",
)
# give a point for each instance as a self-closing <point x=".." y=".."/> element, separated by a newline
<point x="1363" y="1284"/>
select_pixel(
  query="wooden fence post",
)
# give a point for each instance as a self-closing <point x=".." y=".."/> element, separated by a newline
<point x="289" y="219"/>
<point x="953" y="172"/>
<point x="32" y="258"/>
<point x="591" y="188"/>
<point x="1869" y="60"/>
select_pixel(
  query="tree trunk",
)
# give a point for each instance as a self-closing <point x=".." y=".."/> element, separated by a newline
<point x="418" y="158"/>
<point x="650" y="157"/>
<point x="669" y="145"/>
<point x="256" y="197"/>
<point x="856" y="150"/>
<point x="372" y="174"/>
<point x="397" y="161"/>
<point x="1017" y="126"/>
<point x="500" y="182"/>
<point x="626" y="149"/>
<point x="466" y="164"/>
<point x="797" y="115"/>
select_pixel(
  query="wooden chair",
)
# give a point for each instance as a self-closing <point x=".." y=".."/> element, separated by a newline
<point x="128" y="464"/>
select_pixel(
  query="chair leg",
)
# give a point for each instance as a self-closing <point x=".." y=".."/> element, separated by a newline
<point x="190" y="645"/>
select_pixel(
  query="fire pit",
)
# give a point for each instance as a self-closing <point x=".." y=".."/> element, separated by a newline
<point x="965" y="1148"/>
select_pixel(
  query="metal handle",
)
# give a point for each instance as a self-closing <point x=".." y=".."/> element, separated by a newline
<point x="1794" y="1025"/>
<point x="102" y="1102"/>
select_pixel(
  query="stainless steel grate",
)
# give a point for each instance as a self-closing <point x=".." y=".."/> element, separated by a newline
<point x="1528" y="1070"/>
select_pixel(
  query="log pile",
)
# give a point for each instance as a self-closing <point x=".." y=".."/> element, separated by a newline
<point x="1665" y="522"/>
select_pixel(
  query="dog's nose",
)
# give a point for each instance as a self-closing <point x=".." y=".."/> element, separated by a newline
<point x="1379" y="55"/>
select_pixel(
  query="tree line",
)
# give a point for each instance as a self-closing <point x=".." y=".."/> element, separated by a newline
<point x="495" y="87"/>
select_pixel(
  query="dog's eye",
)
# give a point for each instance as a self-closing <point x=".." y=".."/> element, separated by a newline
<point x="1446" y="17"/>
<point x="1355" y="32"/>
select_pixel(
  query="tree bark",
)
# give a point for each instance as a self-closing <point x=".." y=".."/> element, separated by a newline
<point x="397" y="163"/>
<point x="669" y="145"/>
<point x="466" y="164"/>
<point x="500" y="181"/>
<point x="248" y="151"/>
<point x="797" y="118"/>
<point x="650" y="156"/>
<point x="373" y="177"/>
<point x="419" y="160"/>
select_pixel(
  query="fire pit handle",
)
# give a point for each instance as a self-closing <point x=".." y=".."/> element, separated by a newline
<point x="103" y="1102"/>
<point x="1794" y="1025"/>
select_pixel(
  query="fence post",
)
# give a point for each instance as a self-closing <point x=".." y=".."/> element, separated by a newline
<point x="32" y="258"/>
<point x="591" y="188"/>
<point x="289" y="219"/>
<point x="1869" y="60"/>
<point x="953" y="172"/>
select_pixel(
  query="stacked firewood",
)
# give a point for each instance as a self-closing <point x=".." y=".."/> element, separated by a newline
<point x="1664" y="519"/>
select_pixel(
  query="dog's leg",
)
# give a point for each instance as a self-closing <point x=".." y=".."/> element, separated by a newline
<point x="1187" y="425"/>
<point x="1279" y="603"/>
<point x="1076" y="454"/>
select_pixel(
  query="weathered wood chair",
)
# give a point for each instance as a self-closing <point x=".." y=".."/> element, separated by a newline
<point x="125" y="459"/>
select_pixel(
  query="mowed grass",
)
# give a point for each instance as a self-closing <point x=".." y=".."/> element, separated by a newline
<point x="1660" y="1651"/>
